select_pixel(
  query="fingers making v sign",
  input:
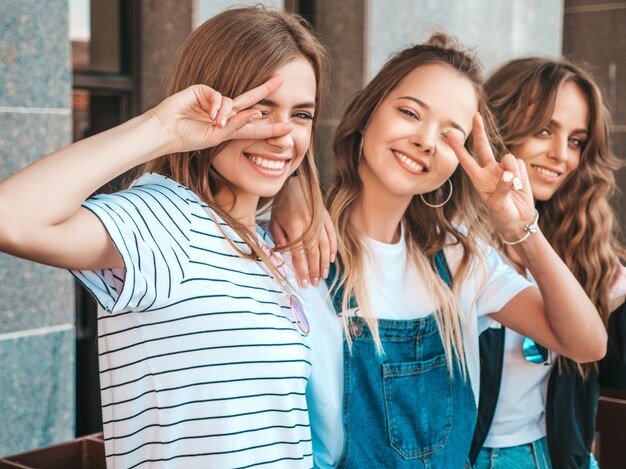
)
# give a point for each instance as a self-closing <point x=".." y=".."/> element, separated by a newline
<point x="503" y="186"/>
<point x="199" y="117"/>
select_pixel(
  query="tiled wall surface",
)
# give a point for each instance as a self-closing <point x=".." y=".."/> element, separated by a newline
<point x="499" y="30"/>
<point x="36" y="302"/>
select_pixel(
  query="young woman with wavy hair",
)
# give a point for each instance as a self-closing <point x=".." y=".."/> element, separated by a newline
<point x="202" y="340"/>
<point x="551" y="115"/>
<point x="395" y="353"/>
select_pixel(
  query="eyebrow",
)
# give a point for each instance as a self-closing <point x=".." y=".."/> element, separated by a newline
<point x="270" y="103"/>
<point x="575" y="131"/>
<point x="427" y="107"/>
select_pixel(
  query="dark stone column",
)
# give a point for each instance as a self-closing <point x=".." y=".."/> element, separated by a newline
<point x="342" y="27"/>
<point x="164" y="27"/>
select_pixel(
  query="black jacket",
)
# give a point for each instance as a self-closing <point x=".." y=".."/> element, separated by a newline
<point x="571" y="403"/>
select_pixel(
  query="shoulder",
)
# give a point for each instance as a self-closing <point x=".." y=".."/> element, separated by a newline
<point x="156" y="187"/>
<point x="148" y="191"/>
<point x="486" y="257"/>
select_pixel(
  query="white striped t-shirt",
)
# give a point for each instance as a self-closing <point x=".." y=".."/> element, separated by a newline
<point x="201" y="364"/>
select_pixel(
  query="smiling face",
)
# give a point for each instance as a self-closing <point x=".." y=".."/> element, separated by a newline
<point x="259" y="168"/>
<point x="405" y="151"/>
<point x="553" y="153"/>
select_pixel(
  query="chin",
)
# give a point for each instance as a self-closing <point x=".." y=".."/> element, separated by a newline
<point x="543" y="196"/>
<point x="267" y="190"/>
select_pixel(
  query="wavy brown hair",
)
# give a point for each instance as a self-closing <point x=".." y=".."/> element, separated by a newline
<point x="427" y="229"/>
<point x="232" y="52"/>
<point x="578" y="219"/>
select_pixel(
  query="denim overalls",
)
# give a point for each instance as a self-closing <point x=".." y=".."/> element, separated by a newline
<point x="403" y="408"/>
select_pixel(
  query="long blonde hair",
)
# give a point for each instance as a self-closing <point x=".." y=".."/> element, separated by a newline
<point x="233" y="52"/>
<point x="427" y="229"/>
<point x="578" y="219"/>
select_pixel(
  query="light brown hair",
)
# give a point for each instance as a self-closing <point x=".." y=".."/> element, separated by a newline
<point x="427" y="229"/>
<point x="233" y="52"/>
<point x="578" y="219"/>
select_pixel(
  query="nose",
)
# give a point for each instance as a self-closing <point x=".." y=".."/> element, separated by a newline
<point x="559" y="149"/>
<point x="424" y="139"/>
<point x="284" y="141"/>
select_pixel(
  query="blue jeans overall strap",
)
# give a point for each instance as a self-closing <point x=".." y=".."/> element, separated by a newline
<point x="403" y="408"/>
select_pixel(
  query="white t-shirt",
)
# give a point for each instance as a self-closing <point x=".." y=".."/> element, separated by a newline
<point x="201" y="364"/>
<point x="520" y="412"/>
<point x="397" y="292"/>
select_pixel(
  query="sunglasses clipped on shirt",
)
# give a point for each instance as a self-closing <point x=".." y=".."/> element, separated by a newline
<point x="535" y="353"/>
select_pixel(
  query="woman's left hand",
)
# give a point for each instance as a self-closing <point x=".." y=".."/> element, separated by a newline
<point x="504" y="186"/>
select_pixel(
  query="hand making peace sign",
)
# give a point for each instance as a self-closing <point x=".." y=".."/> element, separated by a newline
<point x="504" y="186"/>
<point x="199" y="117"/>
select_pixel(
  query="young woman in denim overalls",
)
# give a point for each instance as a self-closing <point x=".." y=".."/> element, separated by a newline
<point x="395" y="362"/>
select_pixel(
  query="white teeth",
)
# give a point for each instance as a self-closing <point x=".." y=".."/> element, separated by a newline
<point x="546" y="171"/>
<point x="409" y="162"/>
<point x="275" y="165"/>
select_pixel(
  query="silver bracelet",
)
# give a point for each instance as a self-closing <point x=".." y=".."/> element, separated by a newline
<point x="529" y="229"/>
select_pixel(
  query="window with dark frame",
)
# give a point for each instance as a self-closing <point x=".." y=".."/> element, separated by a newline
<point x="104" y="58"/>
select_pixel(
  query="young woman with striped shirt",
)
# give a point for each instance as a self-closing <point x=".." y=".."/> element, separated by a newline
<point x="203" y="357"/>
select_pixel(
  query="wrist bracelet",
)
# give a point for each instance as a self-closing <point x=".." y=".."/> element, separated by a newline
<point x="529" y="229"/>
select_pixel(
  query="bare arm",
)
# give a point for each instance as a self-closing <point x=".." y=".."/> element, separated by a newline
<point x="41" y="217"/>
<point x="559" y="315"/>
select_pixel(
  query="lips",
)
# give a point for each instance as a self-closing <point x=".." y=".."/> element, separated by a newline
<point x="271" y="164"/>
<point x="546" y="171"/>
<point x="411" y="163"/>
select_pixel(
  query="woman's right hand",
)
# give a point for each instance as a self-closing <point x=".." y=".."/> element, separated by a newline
<point x="199" y="117"/>
<point x="60" y="232"/>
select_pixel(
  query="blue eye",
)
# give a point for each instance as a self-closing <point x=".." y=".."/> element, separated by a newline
<point x="304" y="115"/>
<point x="410" y="113"/>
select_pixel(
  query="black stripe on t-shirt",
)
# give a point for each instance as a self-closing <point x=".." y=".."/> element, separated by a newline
<point x="174" y="222"/>
<point x="200" y="349"/>
<point x="183" y="318"/>
<point x="156" y="283"/>
<point x="222" y="295"/>
<point x="187" y="334"/>
<point x="121" y="280"/>
<point x="156" y="187"/>
<point x="203" y="401"/>
<point x="222" y="452"/>
<point x="252" y="274"/>
<point x="182" y="271"/>
<point x="119" y="236"/>
<point x="206" y="365"/>
<point x="147" y="227"/>
<point x="216" y="435"/>
<point x="145" y="280"/>
<point x="103" y="282"/>
<point x="286" y="458"/>
<point x="204" y="383"/>
<point x="237" y="241"/>
<point x="214" y="252"/>
<point x="238" y="285"/>
<point x="199" y="419"/>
